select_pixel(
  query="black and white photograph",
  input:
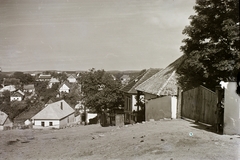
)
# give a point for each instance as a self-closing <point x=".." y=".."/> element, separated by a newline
<point x="119" y="80"/>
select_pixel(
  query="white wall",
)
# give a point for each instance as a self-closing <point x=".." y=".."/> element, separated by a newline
<point x="16" y="98"/>
<point x="64" y="88"/>
<point x="90" y="116"/>
<point x="231" y="110"/>
<point x="56" y="123"/>
<point x="174" y="107"/>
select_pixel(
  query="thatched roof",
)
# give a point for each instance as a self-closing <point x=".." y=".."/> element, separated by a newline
<point x="130" y="87"/>
<point x="164" y="82"/>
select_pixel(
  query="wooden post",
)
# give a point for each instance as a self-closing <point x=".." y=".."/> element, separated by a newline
<point x="179" y="102"/>
<point x="218" y="114"/>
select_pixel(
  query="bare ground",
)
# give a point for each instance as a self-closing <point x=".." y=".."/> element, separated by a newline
<point x="165" y="139"/>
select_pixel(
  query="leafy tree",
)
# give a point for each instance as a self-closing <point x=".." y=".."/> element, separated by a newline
<point x="2" y="77"/>
<point x="212" y="47"/>
<point x="6" y="96"/>
<point x="74" y="96"/>
<point x="24" y="78"/>
<point x="100" y="90"/>
<point x="40" y="87"/>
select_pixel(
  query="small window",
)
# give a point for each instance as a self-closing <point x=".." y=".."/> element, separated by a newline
<point x="50" y="123"/>
<point x="42" y="124"/>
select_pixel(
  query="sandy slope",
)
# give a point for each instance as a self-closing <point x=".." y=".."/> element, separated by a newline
<point x="150" y="140"/>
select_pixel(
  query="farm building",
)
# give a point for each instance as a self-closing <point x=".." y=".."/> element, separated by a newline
<point x="56" y="115"/>
<point x="160" y="93"/>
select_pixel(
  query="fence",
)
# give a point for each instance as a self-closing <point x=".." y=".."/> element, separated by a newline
<point x="200" y="105"/>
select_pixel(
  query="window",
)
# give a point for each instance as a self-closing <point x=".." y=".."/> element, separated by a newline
<point x="42" y="124"/>
<point x="50" y="123"/>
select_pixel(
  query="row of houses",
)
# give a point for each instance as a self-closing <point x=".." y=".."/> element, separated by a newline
<point x="162" y="97"/>
<point x="19" y="95"/>
<point x="158" y="89"/>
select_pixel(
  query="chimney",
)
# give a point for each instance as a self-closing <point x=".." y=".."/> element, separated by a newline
<point x="61" y="106"/>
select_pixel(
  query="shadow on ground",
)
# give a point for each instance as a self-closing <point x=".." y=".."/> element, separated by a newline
<point x="202" y="126"/>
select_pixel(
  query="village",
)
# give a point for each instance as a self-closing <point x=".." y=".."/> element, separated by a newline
<point x="150" y="97"/>
<point x="119" y="80"/>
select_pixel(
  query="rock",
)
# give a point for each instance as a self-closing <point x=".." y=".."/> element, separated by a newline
<point x="162" y="140"/>
<point x="142" y="141"/>
<point x="101" y="135"/>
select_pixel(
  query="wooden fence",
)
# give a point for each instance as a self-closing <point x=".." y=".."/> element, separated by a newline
<point x="200" y="105"/>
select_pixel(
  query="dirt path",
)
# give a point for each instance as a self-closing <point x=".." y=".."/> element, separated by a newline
<point x="150" y="140"/>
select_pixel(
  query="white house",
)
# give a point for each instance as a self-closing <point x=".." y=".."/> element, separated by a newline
<point x="56" y="115"/>
<point x="29" y="88"/>
<point x="4" y="121"/>
<point x="72" y="79"/>
<point x="53" y="81"/>
<point x="64" y="87"/>
<point x="17" y="96"/>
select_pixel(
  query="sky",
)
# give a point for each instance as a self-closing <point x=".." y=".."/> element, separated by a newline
<point x="73" y="35"/>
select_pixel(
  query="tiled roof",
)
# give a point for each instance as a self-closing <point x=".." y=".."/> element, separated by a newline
<point x="17" y="94"/>
<point x="44" y="76"/>
<point x="10" y="88"/>
<point x="28" y="87"/>
<point x="164" y="82"/>
<point x="130" y="88"/>
<point x="54" y="80"/>
<point x="54" y="111"/>
<point x="66" y="83"/>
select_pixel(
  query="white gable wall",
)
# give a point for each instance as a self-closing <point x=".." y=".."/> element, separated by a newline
<point x="72" y="80"/>
<point x="64" y="88"/>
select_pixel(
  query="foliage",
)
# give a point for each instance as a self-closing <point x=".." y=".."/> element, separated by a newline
<point x="12" y="81"/>
<point x="100" y="90"/>
<point x="13" y="109"/>
<point x="74" y="96"/>
<point x="2" y="76"/>
<point x="6" y="96"/>
<point x="24" y="78"/>
<point x="212" y="46"/>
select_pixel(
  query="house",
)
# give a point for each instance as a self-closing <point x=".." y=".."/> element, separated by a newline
<point x="57" y="115"/>
<point x="130" y="94"/>
<point x="53" y="81"/>
<point x="5" y="122"/>
<point x="65" y="87"/>
<point x="44" y="77"/>
<point x="160" y="93"/>
<point x="28" y="88"/>
<point x="17" y="96"/>
<point x="72" y="78"/>
<point x="125" y="79"/>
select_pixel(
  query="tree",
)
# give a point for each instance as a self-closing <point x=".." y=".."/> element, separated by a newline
<point x="24" y="78"/>
<point x="100" y="90"/>
<point x="212" y="46"/>
<point x="6" y="96"/>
